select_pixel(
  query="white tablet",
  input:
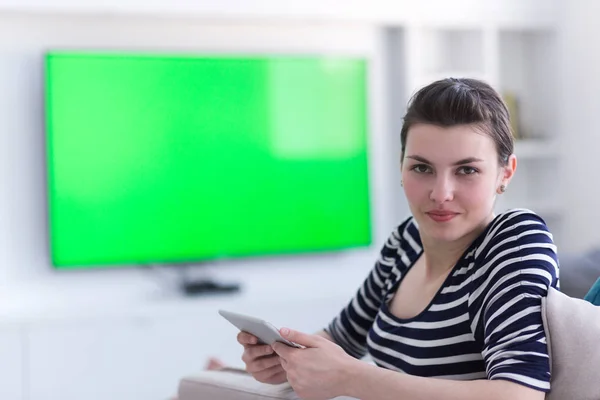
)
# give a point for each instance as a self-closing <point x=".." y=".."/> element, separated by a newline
<point x="264" y="331"/>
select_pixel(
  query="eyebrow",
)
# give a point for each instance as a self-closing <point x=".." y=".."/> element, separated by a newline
<point x="464" y="161"/>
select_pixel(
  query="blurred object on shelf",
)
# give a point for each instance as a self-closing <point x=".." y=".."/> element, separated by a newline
<point x="512" y="103"/>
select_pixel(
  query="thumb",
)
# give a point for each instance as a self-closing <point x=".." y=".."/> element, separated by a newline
<point x="301" y="338"/>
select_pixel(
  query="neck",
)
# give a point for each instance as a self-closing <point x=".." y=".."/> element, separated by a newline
<point x="442" y="256"/>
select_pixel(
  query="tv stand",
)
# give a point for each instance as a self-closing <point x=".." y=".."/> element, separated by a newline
<point x="181" y="279"/>
<point x="207" y="286"/>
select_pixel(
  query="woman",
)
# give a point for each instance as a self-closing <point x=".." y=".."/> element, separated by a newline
<point x="456" y="293"/>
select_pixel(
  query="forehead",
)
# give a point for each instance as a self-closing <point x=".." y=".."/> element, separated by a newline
<point x="441" y="144"/>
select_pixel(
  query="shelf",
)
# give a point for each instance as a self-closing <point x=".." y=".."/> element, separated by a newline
<point x="536" y="149"/>
<point x="427" y="78"/>
<point x="453" y="49"/>
<point x="527" y="72"/>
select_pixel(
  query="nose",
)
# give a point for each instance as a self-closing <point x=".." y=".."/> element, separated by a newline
<point x="442" y="190"/>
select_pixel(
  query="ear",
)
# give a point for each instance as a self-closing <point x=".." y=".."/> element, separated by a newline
<point x="507" y="171"/>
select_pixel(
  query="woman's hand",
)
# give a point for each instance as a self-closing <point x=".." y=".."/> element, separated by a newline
<point x="261" y="361"/>
<point x="320" y="370"/>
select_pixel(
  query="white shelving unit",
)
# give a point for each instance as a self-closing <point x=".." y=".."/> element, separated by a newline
<point x="519" y="63"/>
<point x="527" y="71"/>
<point x="439" y="52"/>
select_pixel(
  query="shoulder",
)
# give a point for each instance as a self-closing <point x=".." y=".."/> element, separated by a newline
<point x="514" y="266"/>
<point x="515" y="230"/>
<point x="517" y="248"/>
<point x="404" y="241"/>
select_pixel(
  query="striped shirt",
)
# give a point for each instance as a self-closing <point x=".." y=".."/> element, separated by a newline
<point x="485" y="322"/>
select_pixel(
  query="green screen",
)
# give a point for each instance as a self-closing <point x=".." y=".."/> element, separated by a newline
<point x="178" y="158"/>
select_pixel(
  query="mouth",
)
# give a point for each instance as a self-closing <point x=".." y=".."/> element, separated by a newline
<point x="441" y="216"/>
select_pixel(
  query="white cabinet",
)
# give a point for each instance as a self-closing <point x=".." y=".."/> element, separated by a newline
<point x="12" y="379"/>
<point x="97" y="360"/>
<point x="120" y="359"/>
<point x="142" y="357"/>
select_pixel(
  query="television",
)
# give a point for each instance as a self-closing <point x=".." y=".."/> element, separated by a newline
<point x="157" y="158"/>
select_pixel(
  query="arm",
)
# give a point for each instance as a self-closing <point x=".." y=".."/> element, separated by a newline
<point x="369" y="382"/>
<point x="350" y="327"/>
<point x="505" y="306"/>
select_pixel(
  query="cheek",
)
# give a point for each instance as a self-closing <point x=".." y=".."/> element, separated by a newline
<point x="479" y="194"/>
<point x="415" y="189"/>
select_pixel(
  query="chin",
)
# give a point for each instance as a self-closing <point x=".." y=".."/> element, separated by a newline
<point x="445" y="231"/>
<point x="446" y="235"/>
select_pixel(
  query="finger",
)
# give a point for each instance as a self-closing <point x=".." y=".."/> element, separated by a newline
<point x="301" y="338"/>
<point x="282" y="350"/>
<point x="284" y="363"/>
<point x="252" y="352"/>
<point x="263" y="363"/>
<point x="245" y="338"/>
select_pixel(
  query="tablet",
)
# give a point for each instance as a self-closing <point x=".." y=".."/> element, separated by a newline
<point x="264" y="331"/>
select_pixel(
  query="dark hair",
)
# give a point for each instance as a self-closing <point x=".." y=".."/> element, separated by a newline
<point x="449" y="102"/>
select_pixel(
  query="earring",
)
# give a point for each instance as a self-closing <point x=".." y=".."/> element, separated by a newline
<point x="401" y="183"/>
<point x="502" y="189"/>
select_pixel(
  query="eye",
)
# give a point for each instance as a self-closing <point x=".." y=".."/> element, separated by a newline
<point x="467" y="170"/>
<point x="421" y="168"/>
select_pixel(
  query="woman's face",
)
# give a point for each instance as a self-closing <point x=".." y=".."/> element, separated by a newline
<point x="451" y="177"/>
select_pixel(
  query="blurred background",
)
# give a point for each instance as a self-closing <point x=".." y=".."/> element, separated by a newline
<point x="127" y="331"/>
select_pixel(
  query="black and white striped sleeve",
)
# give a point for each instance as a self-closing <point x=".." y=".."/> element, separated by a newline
<point x="518" y="265"/>
<point x="350" y="327"/>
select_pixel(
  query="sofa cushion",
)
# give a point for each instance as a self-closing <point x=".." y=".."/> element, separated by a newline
<point x="577" y="271"/>
<point x="593" y="295"/>
<point x="573" y="333"/>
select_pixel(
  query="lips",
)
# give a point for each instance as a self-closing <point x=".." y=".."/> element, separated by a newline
<point x="441" y="216"/>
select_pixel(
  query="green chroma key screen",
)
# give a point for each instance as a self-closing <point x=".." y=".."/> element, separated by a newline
<point x="179" y="158"/>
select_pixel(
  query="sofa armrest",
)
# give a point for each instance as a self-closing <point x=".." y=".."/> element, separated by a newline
<point x="230" y="384"/>
<point x="233" y="384"/>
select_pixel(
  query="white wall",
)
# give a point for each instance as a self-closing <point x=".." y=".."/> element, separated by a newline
<point x="27" y="281"/>
<point x="456" y="12"/>
<point x="579" y="105"/>
<point x="11" y="363"/>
